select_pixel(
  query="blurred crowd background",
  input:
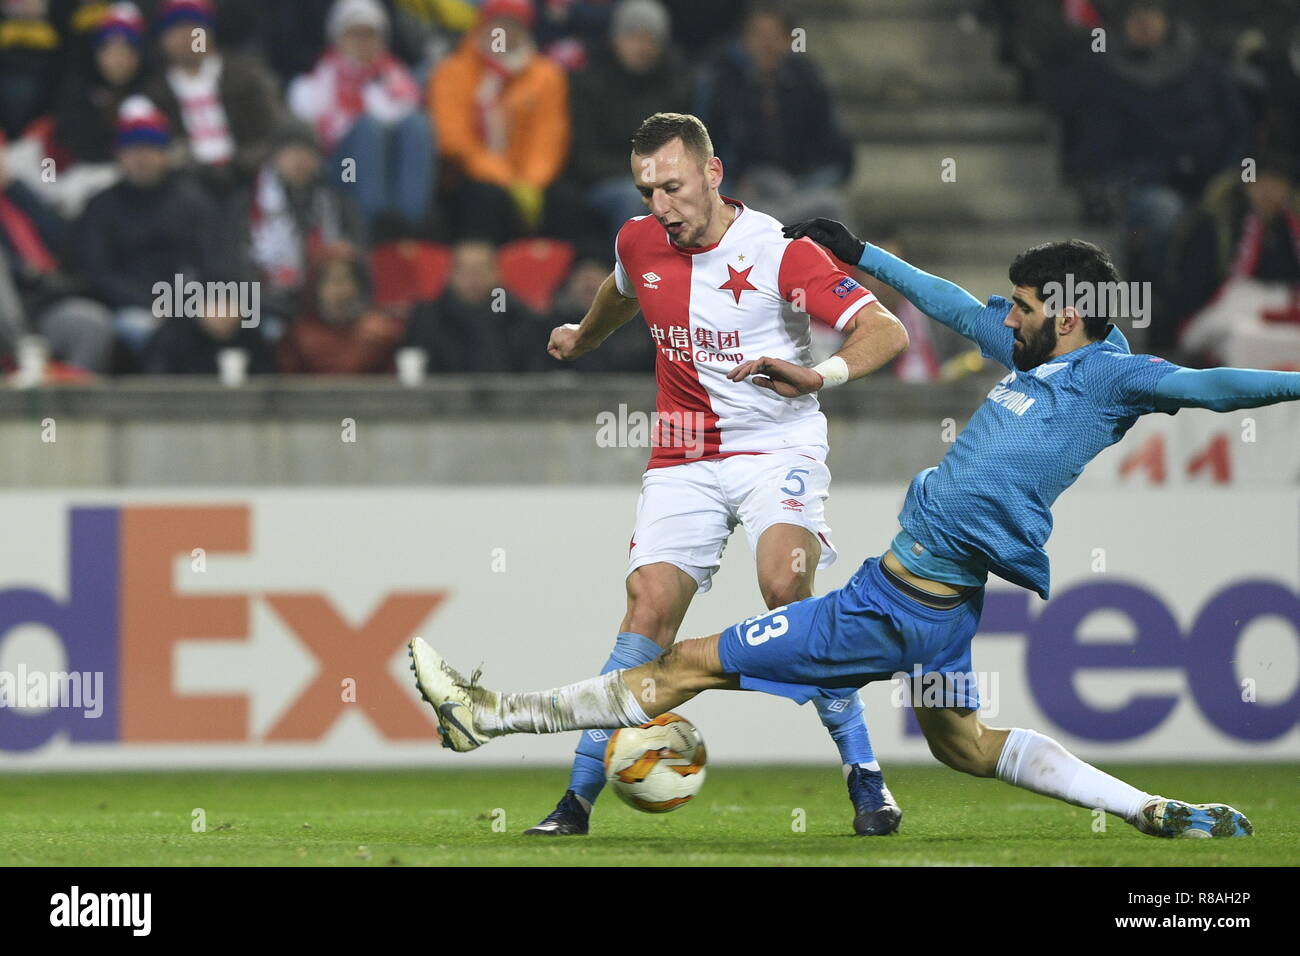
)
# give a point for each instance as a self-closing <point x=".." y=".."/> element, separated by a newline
<point x="384" y="168"/>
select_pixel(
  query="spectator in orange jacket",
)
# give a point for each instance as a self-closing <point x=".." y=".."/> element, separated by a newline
<point x="502" y="119"/>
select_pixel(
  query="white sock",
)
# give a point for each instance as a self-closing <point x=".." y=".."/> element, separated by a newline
<point x="847" y="768"/>
<point x="603" y="701"/>
<point x="1038" y="763"/>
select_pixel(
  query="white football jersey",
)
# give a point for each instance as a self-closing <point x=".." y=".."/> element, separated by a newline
<point x="712" y="308"/>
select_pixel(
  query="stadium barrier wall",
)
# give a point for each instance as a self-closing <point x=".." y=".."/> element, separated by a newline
<point x="495" y="430"/>
<point x="266" y="627"/>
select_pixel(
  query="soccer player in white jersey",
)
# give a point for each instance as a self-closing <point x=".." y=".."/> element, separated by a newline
<point x="711" y="278"/>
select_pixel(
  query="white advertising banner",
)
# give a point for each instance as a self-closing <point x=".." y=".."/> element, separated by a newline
<point x="1204" y="449"/>
<point x="268" y="628"/>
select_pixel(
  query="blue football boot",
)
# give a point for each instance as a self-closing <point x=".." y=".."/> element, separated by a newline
<point x="874" y="811"/>
<point x="569" y="818"/>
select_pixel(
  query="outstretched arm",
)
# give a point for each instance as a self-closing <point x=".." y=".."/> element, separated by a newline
<point x="1225" y="389"/>
<point x="938" y="298"/>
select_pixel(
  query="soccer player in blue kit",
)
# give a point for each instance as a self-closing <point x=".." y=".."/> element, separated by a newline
<point x="1073" y="389"/>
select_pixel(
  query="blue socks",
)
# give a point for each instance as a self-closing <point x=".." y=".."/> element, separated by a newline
<point x="587" y="778"/>
<point x="845" y="718"/>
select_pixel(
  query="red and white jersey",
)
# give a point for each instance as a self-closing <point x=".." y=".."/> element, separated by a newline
<point x="712" y="308"/>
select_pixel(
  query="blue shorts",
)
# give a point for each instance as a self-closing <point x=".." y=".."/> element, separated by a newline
<point x="868" y="630"/>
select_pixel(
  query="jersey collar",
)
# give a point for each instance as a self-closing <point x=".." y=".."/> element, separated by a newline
<point x="1116" y="338"/>
<point x="1113" y="342"/>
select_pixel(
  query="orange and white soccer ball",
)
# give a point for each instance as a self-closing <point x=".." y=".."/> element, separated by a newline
<point x="658" y="766"/>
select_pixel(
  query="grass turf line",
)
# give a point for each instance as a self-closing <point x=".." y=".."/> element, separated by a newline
<point x="744" y="816"/>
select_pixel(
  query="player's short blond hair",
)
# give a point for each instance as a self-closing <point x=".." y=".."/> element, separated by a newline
<point x="661" y="129"/>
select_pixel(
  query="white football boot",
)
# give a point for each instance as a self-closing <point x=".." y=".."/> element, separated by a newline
<point x="454" y="698"/>
<point x="1162" y="817"/>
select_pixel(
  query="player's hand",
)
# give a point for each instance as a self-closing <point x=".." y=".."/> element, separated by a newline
<point x="835" y="236"/>
<point x="784" y="378"/>
<point x="564" y="344"/>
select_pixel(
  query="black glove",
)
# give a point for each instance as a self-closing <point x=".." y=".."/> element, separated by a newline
<point x="835" y="236"/>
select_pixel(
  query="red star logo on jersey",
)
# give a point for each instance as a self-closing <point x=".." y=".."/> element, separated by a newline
<point x="738" y="282"/>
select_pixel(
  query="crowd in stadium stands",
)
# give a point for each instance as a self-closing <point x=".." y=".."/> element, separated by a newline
<point x="440" y="174"/>
<point x="1181" y="123"/>
<point x="383" y="169"/>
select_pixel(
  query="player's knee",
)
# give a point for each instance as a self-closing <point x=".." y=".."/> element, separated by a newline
<point x="784" y="588"/>
<point x="651" y="609"/>
<point x="651" y="623"/>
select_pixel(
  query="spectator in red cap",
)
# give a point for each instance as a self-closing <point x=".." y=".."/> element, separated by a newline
<point x="224" y="104"/>
<point x="501" y="113"/>
<point x="365" y="106"/>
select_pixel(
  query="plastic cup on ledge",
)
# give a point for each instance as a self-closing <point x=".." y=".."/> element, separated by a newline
<point x="33" y="356"/>
<point x="232" y="367"/>
<point x="410" y="366"/>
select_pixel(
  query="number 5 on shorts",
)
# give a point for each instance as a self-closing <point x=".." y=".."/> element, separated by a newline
<point x="796" y="474"/>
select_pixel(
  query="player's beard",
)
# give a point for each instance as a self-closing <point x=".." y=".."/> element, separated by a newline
<point x="691" y="233"/>
<point x="1035" y="348"/>
<point x="688" y="234"/>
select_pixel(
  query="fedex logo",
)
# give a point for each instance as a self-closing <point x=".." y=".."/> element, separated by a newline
<point x="1207" y="653"/>
<point x="125" y="618"/>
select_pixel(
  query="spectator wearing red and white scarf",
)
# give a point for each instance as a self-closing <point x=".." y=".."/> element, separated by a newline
<point x="224" y="104"/>
<point x="1241" y="235"/>
<point x="365" y="106"/>
<point x="294" y="216"/>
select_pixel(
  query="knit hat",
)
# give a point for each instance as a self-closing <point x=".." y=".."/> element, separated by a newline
<point x="121" y="20"/>
<point x="641" y="16"/>
<point x="140" y="123"/>
<point x="346" y="14"/>
<point x="176" y="12"/>
<point x="521" y="10"/>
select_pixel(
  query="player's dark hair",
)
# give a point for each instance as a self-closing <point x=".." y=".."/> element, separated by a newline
<point x="1052" y="262"/>
<point x="662" y="128"/>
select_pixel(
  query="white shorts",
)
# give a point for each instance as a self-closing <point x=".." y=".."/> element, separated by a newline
<point x="687" y="512"/>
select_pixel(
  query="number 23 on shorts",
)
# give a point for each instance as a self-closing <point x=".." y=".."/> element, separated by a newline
<point x="764" y="627"/>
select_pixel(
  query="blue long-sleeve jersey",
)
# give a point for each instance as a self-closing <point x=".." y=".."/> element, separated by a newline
<point x="987" y="506"/>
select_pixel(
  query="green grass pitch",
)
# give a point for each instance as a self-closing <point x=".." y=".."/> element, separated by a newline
<point x="745" y="815"/>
